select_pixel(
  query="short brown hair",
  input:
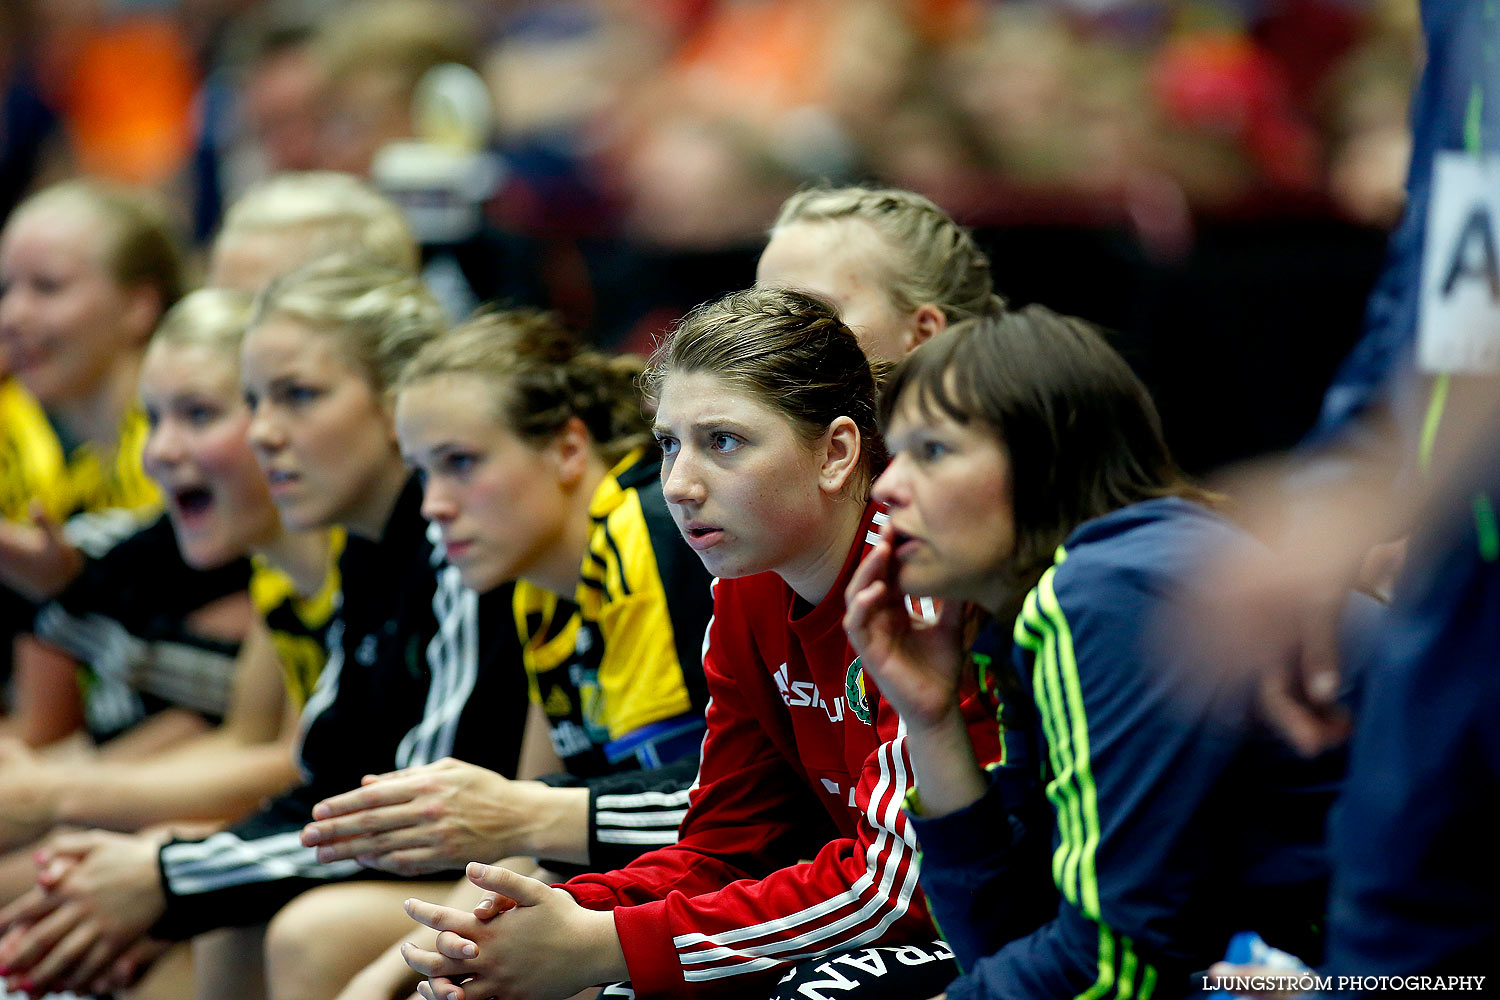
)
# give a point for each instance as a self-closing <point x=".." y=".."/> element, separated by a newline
<point x="787" y="349"/>
<point x="1082" y="433"/>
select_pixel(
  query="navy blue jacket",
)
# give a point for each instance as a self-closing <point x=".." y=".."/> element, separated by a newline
<point x="1177" y="819"/>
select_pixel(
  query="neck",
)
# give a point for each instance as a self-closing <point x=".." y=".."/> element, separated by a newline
<point x="818" y="564"/>
<point x="374" y="513"/>
<point x="301" y="555"/>
<point x="96" y="418"/>
<point x="1003" y="594"/>
<point x="557" y="570"/>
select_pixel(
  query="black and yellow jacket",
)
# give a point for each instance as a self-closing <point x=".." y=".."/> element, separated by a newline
<point x="618" y="670"/>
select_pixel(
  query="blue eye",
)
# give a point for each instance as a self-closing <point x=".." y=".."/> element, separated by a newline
<point x="153" y="417"/>
<point x="724" y="442"/>
<point x="459" y="463"/>
<point x="200" y="415"/>
<point x="931" y="450"/>
<point x="251" y="400"/>
<point x="668" y="445"/>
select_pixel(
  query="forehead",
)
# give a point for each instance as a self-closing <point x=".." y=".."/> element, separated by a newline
<point x="918" y="409"/>
<point x="170" y="369"/>
<point x="458" y="403"/>
<point x="248" y="261"/>
<point x="58" y="232"/>
<point x="686" y="398"/>
<point x="807" y="254"/>
<point x="283" y="346"/>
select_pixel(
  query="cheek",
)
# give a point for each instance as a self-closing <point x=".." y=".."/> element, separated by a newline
<point x="91" y="316"/>
<point x="324" y="437"/>
<point x="224" y="447"/>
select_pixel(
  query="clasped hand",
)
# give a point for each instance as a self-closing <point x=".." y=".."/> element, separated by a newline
<point x="421" y="820"/>
<point x="83" y="926"/>
<point x="523" y="941"/>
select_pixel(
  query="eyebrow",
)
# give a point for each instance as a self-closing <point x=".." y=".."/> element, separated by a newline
<point x="711" y="424"/>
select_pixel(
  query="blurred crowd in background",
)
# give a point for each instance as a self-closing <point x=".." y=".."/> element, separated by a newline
<point x="633" y="151"/>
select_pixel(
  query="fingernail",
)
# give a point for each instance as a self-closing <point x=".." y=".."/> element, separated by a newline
<point x="485" y="904"/>
<point x="453" y="995"/>
<point x="1323" y="685"/>
<point x="477" y="870"/>
<point x="311" y="837"/>
<point x="469" y="950"/>
<point x="406" y="905"/>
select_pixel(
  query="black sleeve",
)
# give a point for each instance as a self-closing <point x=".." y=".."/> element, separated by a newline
<point x="126" y="618"/>
<point x="242" y="876"/>
<point x="631" y="812"/>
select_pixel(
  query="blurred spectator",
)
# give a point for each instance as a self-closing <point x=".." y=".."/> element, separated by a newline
<point x="372" y="54"/>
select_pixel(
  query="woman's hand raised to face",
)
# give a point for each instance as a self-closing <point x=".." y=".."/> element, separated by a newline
<point x="917" y="665"/>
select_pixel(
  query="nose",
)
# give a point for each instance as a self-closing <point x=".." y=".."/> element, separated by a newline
<point x="680" y="482"/>
<point x="164" y="448"/>
<point x="12" y="310"/>
<point x="264" y="433"/>
<point x="890" y="485"/>
<point x="438" y="503"/>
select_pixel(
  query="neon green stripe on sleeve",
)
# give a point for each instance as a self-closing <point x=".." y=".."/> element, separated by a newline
<point x="1106" y="980"/>
<point x="1127" y="971"/>
<point x="1148" y="982"/>
<point x="1058" y="788"/>
<point x="1436" y="404"/>
<point x="1078" y="720"/>
<point x="1486" y="528"/>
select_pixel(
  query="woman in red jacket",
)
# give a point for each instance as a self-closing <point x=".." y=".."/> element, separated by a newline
<point x="765" y="411"/>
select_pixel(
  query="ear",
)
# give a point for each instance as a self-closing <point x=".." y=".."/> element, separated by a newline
<point x="570" y="450"/>
<point x="388" y="417"/>
<point x="841" y="456"/>
<point x="927" y="322"/>
<point x="143" y="310"/>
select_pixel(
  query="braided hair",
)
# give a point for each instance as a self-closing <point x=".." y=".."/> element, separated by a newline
<point x="542" y="377"/>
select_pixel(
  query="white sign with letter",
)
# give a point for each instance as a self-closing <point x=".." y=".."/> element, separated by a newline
<point x="1458" y="322"/>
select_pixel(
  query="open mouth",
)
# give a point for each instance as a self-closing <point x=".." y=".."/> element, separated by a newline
<point x="702" y="536"/>
<point x="193" y="501"/>
<point x="278" y="477"/>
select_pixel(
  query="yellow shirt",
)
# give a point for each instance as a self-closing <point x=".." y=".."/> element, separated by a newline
<point x="298" y="625"/>
<point x="84" y="480"/>
<point x="606" y="664"/>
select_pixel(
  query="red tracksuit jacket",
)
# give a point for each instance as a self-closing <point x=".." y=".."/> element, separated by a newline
<point x="798" y="752"/>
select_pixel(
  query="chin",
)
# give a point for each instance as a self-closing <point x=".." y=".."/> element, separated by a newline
<point x="726" y="567"/>
<point x="916" y="584"/>
<point x="296" y="517"/>
<point x="207" y="555"/>
<point x="478" y="581"/>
